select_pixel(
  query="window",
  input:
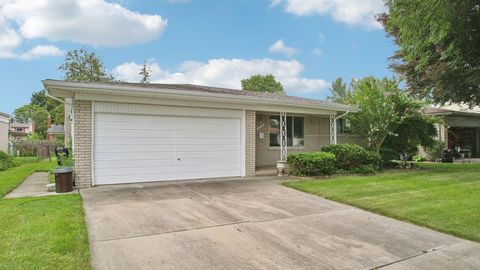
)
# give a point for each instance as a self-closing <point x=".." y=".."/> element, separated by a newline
<point x="344" y="126"/>
<point x="295" y="131"/>
<point x="19" y="129"/>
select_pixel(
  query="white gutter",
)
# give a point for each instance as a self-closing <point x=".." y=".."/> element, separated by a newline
<point x="54" y="98"/>
<point x="342" y="115"/>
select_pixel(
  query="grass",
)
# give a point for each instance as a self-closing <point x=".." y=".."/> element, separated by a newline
<point x="23" y="160"/>
<point x="43" y="233"/>
<point x="444" y="197"/>
<point x="13" y="177"/>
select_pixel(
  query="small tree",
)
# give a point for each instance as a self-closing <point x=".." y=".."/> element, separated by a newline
<point x="376" y="100"/>
<point x="414" y="131"/>
<point x="81" y="65"/>
<point x="260" y="83"/>
<point x="145" y="73"/>
<point x="339" y="91"/>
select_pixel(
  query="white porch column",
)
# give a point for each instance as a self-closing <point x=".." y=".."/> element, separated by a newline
<point x="333" y="129"/>
<point x="283" y="136"/>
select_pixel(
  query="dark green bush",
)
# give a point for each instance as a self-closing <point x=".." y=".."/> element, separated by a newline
<point x="350" y="156"/>
<point x="373" y="158"/>
<point x="311" y="164"/>
<point x="363" y="169"/>
<point x="6" y="161"/>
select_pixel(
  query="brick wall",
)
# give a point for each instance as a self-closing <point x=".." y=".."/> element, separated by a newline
<point x="83" y="143"/>
<point x="250" y="143"/>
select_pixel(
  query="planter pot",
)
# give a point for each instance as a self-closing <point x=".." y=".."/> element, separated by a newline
<point x="63" y="179"/>
<point x="281" y="167"/>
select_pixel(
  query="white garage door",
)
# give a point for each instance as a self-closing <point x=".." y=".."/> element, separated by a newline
<point x="143" y="148"/>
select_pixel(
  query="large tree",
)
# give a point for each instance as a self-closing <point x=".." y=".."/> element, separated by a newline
<point x="339" y="91"/>
<point x="261" y="83"/>
<point x="439" y="43"/>
<point x="82" y="65"/>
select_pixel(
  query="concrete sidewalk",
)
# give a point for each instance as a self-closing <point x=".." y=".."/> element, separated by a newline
<point x="251" y="224"/>
<point x="34" y="185"/>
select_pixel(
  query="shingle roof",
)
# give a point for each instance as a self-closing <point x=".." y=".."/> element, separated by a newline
<point x="5" y="115"/>
<point x="20" y="125"/>
<point x="444" y="111"/>
<point x="56" y="129"/>
<point x="220" y="90"/>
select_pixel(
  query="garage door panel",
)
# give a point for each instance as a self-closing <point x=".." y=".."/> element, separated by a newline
<point x="184" y="168"/>
<point x="135" y="141"/>
<point x="164" y="169"/>
<point x="133" y="118"/>
<point x="127" y="133"/>
<point x="207" y="161"/>
<point x="207" y="141"/>
<point x="134" y="126"/>
<point x="208" y="134"/>
<point x="207" y="148"/>
<point x="144" y="148"/>
<point x="226" y="126"/>
<point x="136" y="156"/>
<point x="120" y="148"/>
<point x="134" y="163"/>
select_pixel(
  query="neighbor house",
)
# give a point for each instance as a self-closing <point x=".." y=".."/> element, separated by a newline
<point x="130" y="132"/>
<point x="20" y="131"/>
<point x="54" y="131"/>
<point x="459" y="128"/>
<point x="4" y="127"/>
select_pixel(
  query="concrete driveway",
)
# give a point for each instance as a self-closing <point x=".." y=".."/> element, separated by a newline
<point x="254" y="224"/>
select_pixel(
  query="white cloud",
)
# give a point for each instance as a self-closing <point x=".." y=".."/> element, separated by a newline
<point x="350" y="12"/>
<point x="94" y="22"/>
<point x="280" y="47"/>
<point x="227" y="73"/>
<point x="9" y="40"/>
<point x="274" y="3"/>
<point x="41" y="51"/>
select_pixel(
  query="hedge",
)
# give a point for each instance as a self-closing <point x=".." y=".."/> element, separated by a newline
<point x="350" y="156"/>
<point x="311" y="164"/>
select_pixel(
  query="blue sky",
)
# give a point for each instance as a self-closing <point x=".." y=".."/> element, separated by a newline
<point x="305" y="43"/>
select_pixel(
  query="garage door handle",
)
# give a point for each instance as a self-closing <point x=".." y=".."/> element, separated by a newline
<point x="178" y="159"/>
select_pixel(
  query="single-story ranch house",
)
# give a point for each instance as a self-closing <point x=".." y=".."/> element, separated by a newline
<point x="130" y="132"/>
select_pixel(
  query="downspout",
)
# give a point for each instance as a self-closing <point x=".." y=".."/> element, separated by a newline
<point x="347" y="112"/>
<point x="333" y="127"/>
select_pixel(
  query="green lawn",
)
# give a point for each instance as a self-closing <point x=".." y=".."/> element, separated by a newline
<point x="444" y="197"/>
<point x="41" y="232"/>
<point x="13" y="177"/>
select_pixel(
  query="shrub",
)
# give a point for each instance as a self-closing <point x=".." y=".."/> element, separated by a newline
<point x="373" y="158"/>
<point x="434" y="152"/>
<point x="363" y="169"/>
<point x="350" y="156"/>
<point x="6" y="161"/>
<point x="311" y="164"/>
<point x="419" y="158"/>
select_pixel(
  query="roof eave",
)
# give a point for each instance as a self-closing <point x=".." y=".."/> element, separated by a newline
<point x="67" y="89"/>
